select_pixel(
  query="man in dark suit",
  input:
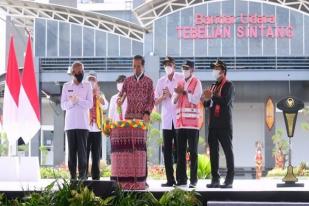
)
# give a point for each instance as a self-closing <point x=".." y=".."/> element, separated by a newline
<point x="219" y="99"/>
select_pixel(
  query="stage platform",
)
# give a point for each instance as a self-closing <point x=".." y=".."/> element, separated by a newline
<point x="263" y="190"/>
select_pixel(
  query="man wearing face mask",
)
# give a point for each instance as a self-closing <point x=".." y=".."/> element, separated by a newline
<point x="76" y="100"/>
<point x="219" y="99"/>
<point x="96" y="115"/>
<point x="116" y="113"/>
<point x="187" y="99"/>
<point x="163" y="94"/>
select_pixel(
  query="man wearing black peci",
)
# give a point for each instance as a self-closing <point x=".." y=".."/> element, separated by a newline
<point x="219" y="99"/>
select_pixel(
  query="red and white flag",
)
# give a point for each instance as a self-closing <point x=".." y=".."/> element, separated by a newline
<point x="11" y="96"/>
<point x="29" y="106"/>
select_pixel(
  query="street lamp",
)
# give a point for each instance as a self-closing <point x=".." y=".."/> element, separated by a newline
<point x="290" y="107"/>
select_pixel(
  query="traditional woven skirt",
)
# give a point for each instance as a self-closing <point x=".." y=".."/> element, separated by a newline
<point x="128" y="157"/>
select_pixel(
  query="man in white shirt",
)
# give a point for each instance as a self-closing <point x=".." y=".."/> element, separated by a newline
<point x="116" y="113"/>
<point x="163" y="93"/>
<point x="76" y="100"/>
<point x="96" y="118"/>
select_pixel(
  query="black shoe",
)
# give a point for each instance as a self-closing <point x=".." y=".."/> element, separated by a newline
<point x="226" y="185"/>
<point x="168" y="184"/>
<point x="192" y="185"/>
<point x="181" y="184"/>
<point x="213" y="184"/>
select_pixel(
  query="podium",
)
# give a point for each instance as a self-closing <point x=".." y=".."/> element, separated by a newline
<point x="128" y="154"/>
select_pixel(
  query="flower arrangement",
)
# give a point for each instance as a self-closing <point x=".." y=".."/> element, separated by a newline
<point x="108" y="125"/>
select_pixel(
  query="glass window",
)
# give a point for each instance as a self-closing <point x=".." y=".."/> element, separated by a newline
<point x="125" y="47"/>
<point x="307" y="36"/>
<point x="64" y="39"/>
<point x="201" y="44"/>
<point x="52" y="38"/>
<point x="100" y="41"/>
<point x="228" y="43"/>
<point x="282" y="20"/>
<point x="241" y="43"/>
<point x="173" y="21"/>
<point x="40" y="37"/>
<point x="160" y="37"/>
<point x="297" y="40"/>
<point x="255" y="43"/>
<point x="148" y="43"/>
<point x="269" y="44"/>
<point x="137" y="48"/>
<point x="76" y="40"/>
<point x="187" y="44"/>
<point x="88" y="41"/>
<point x="214" y="44"/>
<point x="113" y="45"/>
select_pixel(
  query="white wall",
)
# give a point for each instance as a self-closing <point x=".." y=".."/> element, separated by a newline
<point x="248" y="125"/>
<point x="47" y="113"/>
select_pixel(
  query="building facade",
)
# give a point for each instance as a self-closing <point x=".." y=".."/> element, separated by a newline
<point x="264" y="43"/>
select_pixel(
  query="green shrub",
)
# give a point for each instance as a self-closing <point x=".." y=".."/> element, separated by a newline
<point x="178" y="197"/>
<point x="204" y="167"/>
<point x="106" y="171"/>
<point x="53" y="173"/>
<point x="63" y="193"/>
<point x="121" y="198"/>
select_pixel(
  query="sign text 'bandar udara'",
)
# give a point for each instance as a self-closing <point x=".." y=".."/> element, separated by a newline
<point x="246" y="26"/>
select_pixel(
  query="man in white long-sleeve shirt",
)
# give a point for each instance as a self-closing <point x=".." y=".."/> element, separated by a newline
<point x="187" y="99"/>
<point x="163" y="94"/>
<point x="76" y="100"/>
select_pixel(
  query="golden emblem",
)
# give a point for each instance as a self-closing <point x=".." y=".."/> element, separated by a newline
<point x="290" y="102"/>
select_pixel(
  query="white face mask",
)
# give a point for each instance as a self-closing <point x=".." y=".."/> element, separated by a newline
<point x="119" y="86"/>
<point x="168" y="70"/>
<point x="93" y="84"/>
<point x="186" y="73"/>
<point x="216" y="74"/>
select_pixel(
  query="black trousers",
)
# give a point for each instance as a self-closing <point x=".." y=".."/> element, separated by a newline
<point x="169" y="137"/>
<point x="94" y="145"/>
<point x="224" y="136"/>
<point x="184" y="137"/>
<point x="77" y="142"/>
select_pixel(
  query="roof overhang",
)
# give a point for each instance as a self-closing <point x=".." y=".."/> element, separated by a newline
<point x="23" y="14"/>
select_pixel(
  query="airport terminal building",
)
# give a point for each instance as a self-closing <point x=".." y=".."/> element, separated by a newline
<point x="265" y="44"/>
